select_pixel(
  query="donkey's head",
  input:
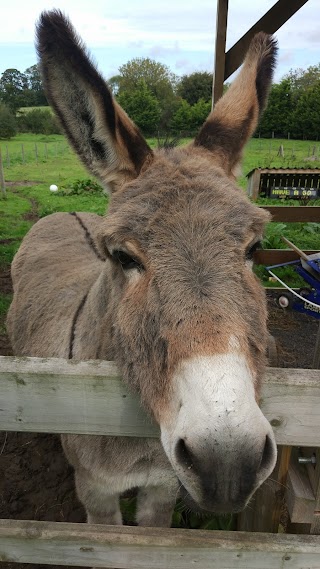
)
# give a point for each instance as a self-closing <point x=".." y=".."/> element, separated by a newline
<point x="188" y="314"/>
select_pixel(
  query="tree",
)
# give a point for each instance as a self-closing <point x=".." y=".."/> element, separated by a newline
<point x="302" y="79"/>
<point x="114" y="84"/>
<point x="8" y="127"/>
<point x="37" y="96"/>
<point x="181" y="122"/>
<point x="196" y="86"/>
<point x="142" y="107"/>
<point x="157" y="77"/>
<point x="306" y="117"/>
<point x="199" y="113"/>
<point x="278" y="114"/>
<point x="13" y="85"/>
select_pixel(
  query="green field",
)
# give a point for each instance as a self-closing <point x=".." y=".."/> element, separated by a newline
<point x="33" y="162"/>
<point x="24" y="110"/>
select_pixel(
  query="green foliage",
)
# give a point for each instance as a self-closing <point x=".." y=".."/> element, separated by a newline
<point x="181" y="121"/>
<point x="82" y="187"/>
<point x="8" y="125"/>
<point x="142" y="107"/>
<point x="306" y="116"/>
<point x="188" y="119"/>
<point x="272" y="239"/>
<point x="195" y="86"/>
<point x="36" y="94"/>
<point x="199" y="113"/>
<point x="153" y="79"/>
<point x="38" y="121"/>
<point x="13" y="83"/>
<point x="22" y="89"/>
<point x="278" y="114"/>
<point x="156" y="76"/>
<point x="294" y="106"/>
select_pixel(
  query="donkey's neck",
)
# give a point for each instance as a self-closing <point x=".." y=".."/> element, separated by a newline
<point x="92" y="330"/>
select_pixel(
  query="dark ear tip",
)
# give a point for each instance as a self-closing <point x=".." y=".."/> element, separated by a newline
<point x="263" y="49"/>
<point x="49" y="26"/>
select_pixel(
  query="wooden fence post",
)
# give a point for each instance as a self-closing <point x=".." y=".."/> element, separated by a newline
<point x="2" y="181"/>
<point x="8" y="156"/>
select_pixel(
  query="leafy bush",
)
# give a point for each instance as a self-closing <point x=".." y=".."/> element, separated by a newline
<point x="142" y="107"/>
<point x="39" y="121"/>
<point x="8" y="126"/>
<point x="80" y="187"/>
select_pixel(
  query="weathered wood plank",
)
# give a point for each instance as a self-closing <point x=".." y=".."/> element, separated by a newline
<point x="277" y="256"/>
<point x="60" y="396"/>
<point x="293" y="213"/>
<point x="63" y="396"/>
<point x="142" y="548"/>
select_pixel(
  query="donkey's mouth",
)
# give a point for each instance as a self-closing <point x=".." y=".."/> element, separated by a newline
<point x="209" y="505"/>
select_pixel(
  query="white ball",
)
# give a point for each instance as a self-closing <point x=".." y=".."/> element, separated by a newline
<point x="53" y="188"/>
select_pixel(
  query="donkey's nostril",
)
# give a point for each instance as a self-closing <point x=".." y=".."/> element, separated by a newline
<point x="267" y="454"/>
<point x="183" y="454"/>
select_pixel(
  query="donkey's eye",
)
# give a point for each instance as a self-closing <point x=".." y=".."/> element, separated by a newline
<point x="252" y="249"/>
<point x="126" y="261"/>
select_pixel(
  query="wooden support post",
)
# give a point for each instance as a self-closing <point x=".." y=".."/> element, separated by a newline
<point x="263" y="513"/>
<point x="2" y="181"/>
<point x="220" y="50"/>
<point x="315" y="525"/>
<point x="316" y="355"/>
<point x="253" y="185"/>
<point x="8" y="156"/>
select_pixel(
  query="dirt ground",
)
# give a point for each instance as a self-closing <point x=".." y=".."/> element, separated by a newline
<point x="36" y="483"/>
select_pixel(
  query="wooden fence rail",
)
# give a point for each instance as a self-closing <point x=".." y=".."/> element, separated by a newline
<point x="148" y="548"/>
<point x="60" y="396"/>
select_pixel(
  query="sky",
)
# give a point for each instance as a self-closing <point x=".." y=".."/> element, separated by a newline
<point x="178" y="33"/>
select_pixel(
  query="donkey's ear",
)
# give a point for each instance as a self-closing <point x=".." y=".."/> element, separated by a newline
<point x="235" y="117"/>
<point x="106" y="140"/>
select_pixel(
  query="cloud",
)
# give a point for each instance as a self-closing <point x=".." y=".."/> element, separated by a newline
<point x="181" y="33"/>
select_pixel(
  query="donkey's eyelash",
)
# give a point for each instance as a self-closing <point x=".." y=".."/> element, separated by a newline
<point x="252" y="249"/>
<point x="126" y="261"/>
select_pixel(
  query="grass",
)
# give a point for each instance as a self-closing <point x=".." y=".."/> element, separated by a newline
<point x="55" y="163"/>
<point x="24" y="110"/>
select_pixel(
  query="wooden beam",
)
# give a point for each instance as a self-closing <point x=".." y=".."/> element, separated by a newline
<point x="270" y="23"/>
<point x="220" y="50"/>
<point x="293" y="213"/>
<point x="62" y="396"/>
<point x="276" y="256"/>
<point x="49" y="543"/>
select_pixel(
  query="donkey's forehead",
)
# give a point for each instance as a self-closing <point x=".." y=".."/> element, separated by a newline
<point x="179" y="188"/>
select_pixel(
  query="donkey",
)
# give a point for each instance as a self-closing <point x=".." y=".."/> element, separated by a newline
<point x="163" y="285"/>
